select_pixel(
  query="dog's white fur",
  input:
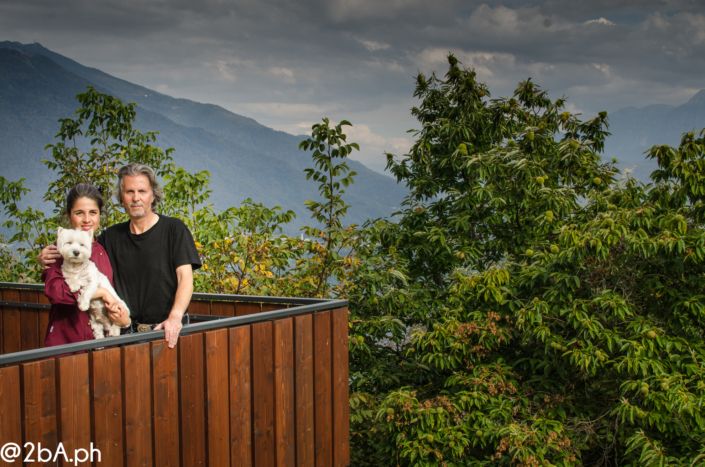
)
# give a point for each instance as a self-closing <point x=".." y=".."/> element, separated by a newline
<point x="80" y="273"/>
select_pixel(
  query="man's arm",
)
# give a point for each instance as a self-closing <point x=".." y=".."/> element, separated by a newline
<point x="48" y="255"/>
<point x="172" y="326"/>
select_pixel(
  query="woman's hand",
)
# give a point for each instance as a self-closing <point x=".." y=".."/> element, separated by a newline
<point x="48" y="256"/>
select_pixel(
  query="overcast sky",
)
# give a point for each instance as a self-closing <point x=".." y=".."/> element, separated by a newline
<point x="289" y="63"/>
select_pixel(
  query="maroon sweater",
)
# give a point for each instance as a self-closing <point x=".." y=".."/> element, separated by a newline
<point x="68" y="324"/>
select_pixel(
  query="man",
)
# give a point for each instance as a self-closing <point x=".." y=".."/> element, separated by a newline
<point x="153" y="256"/>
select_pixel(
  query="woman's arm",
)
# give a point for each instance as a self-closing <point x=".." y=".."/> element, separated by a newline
<point x="58" y="292"/>
<point x="55" y="287"/>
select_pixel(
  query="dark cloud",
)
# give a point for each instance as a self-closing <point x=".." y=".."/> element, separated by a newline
<point x="289" y="63"/>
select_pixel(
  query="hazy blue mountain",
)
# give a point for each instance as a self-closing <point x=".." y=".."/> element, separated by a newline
<point x="635" y="131"/>
<point x="245" y="159"/>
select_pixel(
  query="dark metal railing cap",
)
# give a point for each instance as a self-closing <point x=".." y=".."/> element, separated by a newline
<point x="306" y="306"/>
<point x="201" y="296"/>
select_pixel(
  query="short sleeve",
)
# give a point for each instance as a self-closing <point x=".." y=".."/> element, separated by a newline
<point x="183" y="247"/>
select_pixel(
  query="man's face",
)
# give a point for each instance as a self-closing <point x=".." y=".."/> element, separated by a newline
<point x="137" y="196"/>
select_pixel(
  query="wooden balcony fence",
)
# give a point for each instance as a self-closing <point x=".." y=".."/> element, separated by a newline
<point x="256" y="381"/>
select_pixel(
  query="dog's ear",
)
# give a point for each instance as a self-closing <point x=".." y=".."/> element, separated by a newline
<point x="90" y="234"/>
<point x="58" y="232"/>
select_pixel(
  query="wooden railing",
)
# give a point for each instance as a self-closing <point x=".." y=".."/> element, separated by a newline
<point x="252" y="384"/>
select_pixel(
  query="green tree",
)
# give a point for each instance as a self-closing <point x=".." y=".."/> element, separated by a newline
<point x="328" y="258"/>
<point x="104" y="125"/>
<point x="553" y="314"/>
<point x="243" y="250"/>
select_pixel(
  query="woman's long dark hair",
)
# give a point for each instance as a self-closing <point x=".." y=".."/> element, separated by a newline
<point x="85" y="190"/>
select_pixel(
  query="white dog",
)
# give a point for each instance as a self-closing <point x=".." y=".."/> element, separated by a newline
<point x="80" y="273"/>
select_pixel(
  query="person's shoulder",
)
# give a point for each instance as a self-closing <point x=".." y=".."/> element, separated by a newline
<point x="117" y="228"/>
<point x="172" y="222"/>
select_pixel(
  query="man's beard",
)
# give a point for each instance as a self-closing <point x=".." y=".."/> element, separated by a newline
<point x="140" y="215"/>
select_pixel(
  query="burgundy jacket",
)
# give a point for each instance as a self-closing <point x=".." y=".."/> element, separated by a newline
<point x="68" y="324"/>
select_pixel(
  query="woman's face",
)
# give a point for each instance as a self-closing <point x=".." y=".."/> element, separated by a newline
<point x="85" y="215"/>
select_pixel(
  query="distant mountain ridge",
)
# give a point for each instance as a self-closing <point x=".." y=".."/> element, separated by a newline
<point x="636" y="130"/>
<point x="245" y="159"/>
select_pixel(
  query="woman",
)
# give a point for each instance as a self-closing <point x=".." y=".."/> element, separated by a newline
<point x="67" y="323"/>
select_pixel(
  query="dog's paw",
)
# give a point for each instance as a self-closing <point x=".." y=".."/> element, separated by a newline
<point x="84" y="302"/>
<point x="113" y="331"/>
<point x="74" y="286"/>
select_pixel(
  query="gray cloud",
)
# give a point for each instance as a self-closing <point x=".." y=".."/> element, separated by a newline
<point x="287" y="64"/>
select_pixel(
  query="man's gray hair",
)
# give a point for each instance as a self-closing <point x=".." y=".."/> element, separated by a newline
<point x="133" y="169"/>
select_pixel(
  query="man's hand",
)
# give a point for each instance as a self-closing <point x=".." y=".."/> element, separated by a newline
<point x="172" y="327"/>
<point x="48" y="256"/>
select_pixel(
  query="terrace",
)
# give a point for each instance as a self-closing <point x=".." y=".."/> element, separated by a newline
<point x="253" y="381"/>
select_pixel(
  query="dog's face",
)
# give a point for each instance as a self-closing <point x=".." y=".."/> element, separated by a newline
<point x="74" y="245"/>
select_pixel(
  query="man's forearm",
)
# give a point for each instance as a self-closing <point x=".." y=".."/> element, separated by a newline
<point x="183" y="296"/>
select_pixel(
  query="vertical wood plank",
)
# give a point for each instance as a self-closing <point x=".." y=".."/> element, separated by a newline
<point x="43" y="319"/>
<point x="106" y="406"/>
<point x="165" y="394"/>
<point x="217" y="398"/>
<point x="11" y="327"/>
<point x="341" y="387"/>
<point x="73" y="400"/>
<point x="10" y="413"/>
<point x="303" y="362"/>
<point x="137" y="405"/>
<point x="284" y="404"/>
<point x="43" y="298"/>
<point x="39" y="407"/>
<point x="223" y="308"/>
<point x="192" y="400"/>
<point x="263" y="395"/>
<point x="29" y="321"/>
<point x="323" y="414"/>
<point x="240" y="397"/>
<point x="272" y="307"/>
<point x="199" y="307"/>
<point x="246" y="308"/>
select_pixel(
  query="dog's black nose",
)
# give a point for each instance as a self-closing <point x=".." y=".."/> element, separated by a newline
<point x="76" y="253"/>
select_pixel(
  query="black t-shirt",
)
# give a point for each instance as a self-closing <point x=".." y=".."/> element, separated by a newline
<point x="144" y="265"/>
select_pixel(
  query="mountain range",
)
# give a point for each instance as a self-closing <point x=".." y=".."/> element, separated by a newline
<point x="636" y="130"/>
<point x="245" y="159"/>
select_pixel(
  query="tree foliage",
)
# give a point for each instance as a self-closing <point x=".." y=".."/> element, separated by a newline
<point x="557" y="312"/>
